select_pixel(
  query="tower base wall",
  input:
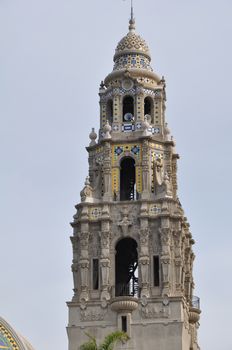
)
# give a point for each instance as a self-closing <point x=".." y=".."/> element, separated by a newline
<point x="154" y="326"/>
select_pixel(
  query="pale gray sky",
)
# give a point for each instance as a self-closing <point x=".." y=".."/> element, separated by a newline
<point x="53" y="54"/>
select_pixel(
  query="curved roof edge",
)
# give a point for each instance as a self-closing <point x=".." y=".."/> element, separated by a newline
<point x="20" y="341"/>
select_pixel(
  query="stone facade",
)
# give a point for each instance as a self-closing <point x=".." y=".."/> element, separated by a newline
<point x="132" y="246"/>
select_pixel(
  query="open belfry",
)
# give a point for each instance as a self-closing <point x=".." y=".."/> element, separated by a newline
<point x="132" y="247"/>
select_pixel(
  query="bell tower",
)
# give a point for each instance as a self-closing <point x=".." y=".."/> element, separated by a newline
<point x="132" y="246"/>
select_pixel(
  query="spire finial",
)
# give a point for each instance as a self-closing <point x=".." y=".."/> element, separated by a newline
<point x="132" y="10"/>
<point x="132" y="19"/>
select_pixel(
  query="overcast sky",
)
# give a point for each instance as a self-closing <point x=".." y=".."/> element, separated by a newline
<point x="53" y="55"/>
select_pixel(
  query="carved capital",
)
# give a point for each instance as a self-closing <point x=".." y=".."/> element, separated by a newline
<point x="84" y="264"/>
<point x="105" y="262"/>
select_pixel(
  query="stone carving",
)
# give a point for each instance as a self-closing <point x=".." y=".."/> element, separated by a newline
<point x="165" y="262"/>
<point x="74" y="241"/>
<point x="158" y="166"/>
<point x="84" y="244"/>
<point x="174" y="175"/>
<point x="76" y="216"/>
<point x="105" y="239"/>
<point x="105" y="266"/>
<point x="167" y="186"/>
<point x="97" y="175"/>
<point x="165" y="236"/>
<point x="93" y="315"/>
<point x="125" y="223"/>
<point x="155" y="209"/>
<point x="124" y="305"/>
<point x="166" y="300"/>
<point x="146" y="127"/>
<point x="107" y="131"/>
<point x="84" y="265"/>
<point x="155" y="311"/>
<point x="95" y="213"/>
<point x="74" y="268"/>
<point x="162" y="181"/>
<point x="145" y="165"/>
<point x="105" y="243"/>
<point x="87" y="192"/>
<point x="107" y="171"/>
<point x="144" y="242"/>
<point x="144" y="261"/>
<point x="156" y="243"/>
<point x="165" y="239"/>
<point x="105" y="270"/>
<point x="144" y="301"/>
<point x="144" y="267"/>
<point x="144" y="236"/>
<point x="94" y="249"/>
<point x="177" y="243"/>
<point x="92" y="137"/>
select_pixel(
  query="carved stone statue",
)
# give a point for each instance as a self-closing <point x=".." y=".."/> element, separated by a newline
<point x="87" y="192"/>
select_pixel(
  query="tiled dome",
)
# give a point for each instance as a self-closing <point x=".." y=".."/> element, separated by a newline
<point x="132" y="42"/>
<point x="132" y="51"/>
<point x="10" y="339"/>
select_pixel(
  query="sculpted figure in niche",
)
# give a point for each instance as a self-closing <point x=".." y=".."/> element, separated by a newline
<point x="158" y="170"/>
<point x="97" y="178"/>
<point x="167" y="185"/>
<point x="163" y="185"/>
<point x="105" y="243"/>
<point x="87" y="191"/>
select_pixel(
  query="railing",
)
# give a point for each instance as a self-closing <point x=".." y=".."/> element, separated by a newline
<point x="196" y="302"/>
<point x="129" y="289"/>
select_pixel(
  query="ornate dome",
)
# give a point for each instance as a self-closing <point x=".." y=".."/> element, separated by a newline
<point x="10" y="339"/>
<point x="132" y="42"/>
<point x="132" y="51"/>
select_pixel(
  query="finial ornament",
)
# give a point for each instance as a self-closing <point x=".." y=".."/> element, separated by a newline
<point x="132" y="10"/>
<point x="132" y="19"/>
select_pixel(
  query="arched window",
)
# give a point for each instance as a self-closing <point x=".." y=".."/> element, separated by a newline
<point x="127" y="179"/>
<point x="149" y="108"/>
<point x="128" y="109"/>
<point x="109" y="111"/>
<point x="126" y="268"/>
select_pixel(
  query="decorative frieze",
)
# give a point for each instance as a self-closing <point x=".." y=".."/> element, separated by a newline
<point x="155" y="311"/>
<point x="92" y="315"/>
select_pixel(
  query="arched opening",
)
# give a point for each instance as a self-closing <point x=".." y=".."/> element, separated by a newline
<point x="127" y="179"/>
<point x="109" y="111"/>
<point x="126" y="268"/>
<point x="128" y="109"/>
<point x="149" y="108"/>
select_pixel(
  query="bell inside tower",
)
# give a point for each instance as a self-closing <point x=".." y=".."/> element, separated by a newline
<point x="149" y="109"/>
<point x="126" y="263"/>
<point x="127" y="179"/>
<point x="128" y="109"/>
